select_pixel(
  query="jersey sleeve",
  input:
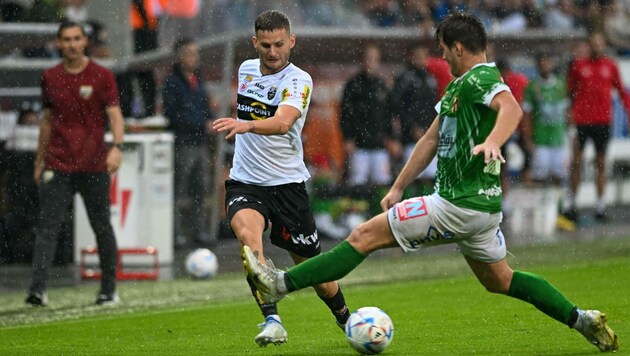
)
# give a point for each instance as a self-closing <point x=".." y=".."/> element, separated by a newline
<point x="296" y="91"/>
<point x="110" y="93"/>
<point x="483" y="85"/>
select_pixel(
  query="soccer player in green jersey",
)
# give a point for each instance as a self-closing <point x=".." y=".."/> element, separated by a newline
<point x="476" y="116"/>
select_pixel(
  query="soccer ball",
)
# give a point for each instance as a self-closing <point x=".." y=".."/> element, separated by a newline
<point x="369" y="330"/>
<point x="202" y="263"/>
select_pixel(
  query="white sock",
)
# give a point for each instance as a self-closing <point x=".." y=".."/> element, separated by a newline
<point x="276" y="317"/>
<point x="282" y="286"/>
<point x="579" y="323"/>
<point x="601" y="205"/>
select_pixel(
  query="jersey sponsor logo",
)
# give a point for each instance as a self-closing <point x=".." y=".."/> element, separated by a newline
<point x="305" y="95"/>
<point x="272" y="92"/>
<point x="285" y="94"/>
<point x="251" y="109"/>
<point x="448" y="136"/>
<point x="255" y="93"/>
<point x="432" y="235"/>
<point x="491" y="192"/>
<point x="411" y="208"/>
<point x="259" y="86"/>
<point x="85" y="91"/>
<point x="246" y="80"/>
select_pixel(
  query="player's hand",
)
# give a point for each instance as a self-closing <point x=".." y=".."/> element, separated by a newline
<point x="392" y="197"/>
<point x="37" y="173"/>
<point x="231" y="125"/>
<point x="491" y="151"/>
<point x="114" y="157"/>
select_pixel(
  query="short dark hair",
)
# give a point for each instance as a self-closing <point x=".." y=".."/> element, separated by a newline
<point x="272" y="20"/>
<point x="181" y="42"/>
<point x="70" y="24"/>
<point x="462" y="27"/>
<point x="541" y="55"/>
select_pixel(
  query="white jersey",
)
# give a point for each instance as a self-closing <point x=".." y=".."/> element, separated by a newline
<point x="274" y="159"/>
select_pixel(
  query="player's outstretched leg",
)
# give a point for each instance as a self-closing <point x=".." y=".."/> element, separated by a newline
<point x="265" y="278"/>
<point x="593" y="325"/>
<point x="272" y="332"/>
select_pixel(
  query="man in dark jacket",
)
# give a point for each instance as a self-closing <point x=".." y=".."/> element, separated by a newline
<point x="186" y="105"/>
<point x="366" y="124"/>
<point x="412" y="102"/>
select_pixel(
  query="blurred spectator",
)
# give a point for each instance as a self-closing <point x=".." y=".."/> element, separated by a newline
<point x="417" y="13"/>
<point x="12" y="11"/>
<point x="412" y="101"/>
<point x="97" y="41"/>
<point x="382" y="13"/>
<point x="617" y="26"/>
<point x="75" y="10"/>
<point x="510" y="16"/>
<point x="534" y="12"/>
<point x="517" y="82"/>
<point x="45" y="11"/>
<point x="590" y="15"/>
<point x="144" y="23"/>
<point x="16" y="237"/>
<point x="186" y="105"/>
<point x="545" y="107"/>
<point x="590" y="83"/>
<point x="366" y="124"/>
<point x="441" y="71"/>
<point x="180" y="19"/>
<point x="560" y="15"/>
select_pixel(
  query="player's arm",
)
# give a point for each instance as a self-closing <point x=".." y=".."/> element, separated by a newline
<point x="42" y="145"/>
<point x="420" y="158"/>
<point x="623" y="94"/>
<point x="279" y="124"/>
<point x="509" y="115"/>
<point x="117" y="127"/>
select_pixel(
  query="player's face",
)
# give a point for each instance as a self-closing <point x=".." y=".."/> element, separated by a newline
<point x="189" y="57"/>
<point x="274" y="49"/>
<point x="449" y="55"/>
<point x="72" y="43"/>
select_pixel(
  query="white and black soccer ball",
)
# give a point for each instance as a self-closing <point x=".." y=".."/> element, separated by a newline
<point x="202" y="263"/>
<point x="369" y="330"/>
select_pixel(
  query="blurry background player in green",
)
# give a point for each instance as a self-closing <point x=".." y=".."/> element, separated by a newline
<point x="545" y="105"/>
<point x="476" y="115"/>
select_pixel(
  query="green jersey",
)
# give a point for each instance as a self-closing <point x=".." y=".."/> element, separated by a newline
<point x="546" y="100"/>
<point x="466" y="120"/>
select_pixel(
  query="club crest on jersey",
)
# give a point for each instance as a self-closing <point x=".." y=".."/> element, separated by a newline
<point x="305" y="95"/>
<point x="272" y="93"/>
<point x="453" y="108"/>
<point x="85" y="91"/>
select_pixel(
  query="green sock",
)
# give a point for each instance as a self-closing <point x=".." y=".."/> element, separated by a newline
<point x="535" y="290"/>
<point x="327" y="267"/>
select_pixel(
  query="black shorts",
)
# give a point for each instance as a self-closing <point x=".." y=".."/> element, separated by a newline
<point x="285" y="206"/>
<point x="600" y="134"/>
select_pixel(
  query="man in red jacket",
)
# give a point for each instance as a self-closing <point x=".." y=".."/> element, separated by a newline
<point x="590" y="83"/>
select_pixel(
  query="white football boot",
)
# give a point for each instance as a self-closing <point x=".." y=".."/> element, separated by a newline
<point x="272" y="332"/>
<point x="267" y="279"/>
<point x="592" y="324"/>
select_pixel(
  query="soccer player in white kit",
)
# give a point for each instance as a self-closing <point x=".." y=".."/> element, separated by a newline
<point x="476" y="116"/>
<point x="266" y="185"/>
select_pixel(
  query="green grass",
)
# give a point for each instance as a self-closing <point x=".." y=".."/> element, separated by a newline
<point x="435" y="303"/>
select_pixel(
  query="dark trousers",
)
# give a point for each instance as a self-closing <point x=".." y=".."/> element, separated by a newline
<point x="56" y="194"/>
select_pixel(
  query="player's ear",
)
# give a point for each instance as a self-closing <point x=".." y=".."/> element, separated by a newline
<point x="254" y="41"/>
<point x="292" y="40"/>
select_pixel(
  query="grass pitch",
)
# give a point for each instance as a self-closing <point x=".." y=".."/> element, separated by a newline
<point x="436" y="305"/>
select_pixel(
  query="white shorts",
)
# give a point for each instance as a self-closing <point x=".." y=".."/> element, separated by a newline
<point x="550" y="162"/>
<point x="431" y="220"/>
<point x="370" y="166"/>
